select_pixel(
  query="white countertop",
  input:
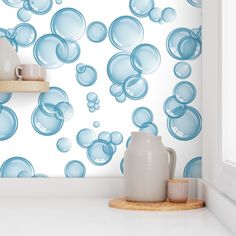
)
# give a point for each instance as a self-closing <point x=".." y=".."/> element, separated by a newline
<point x="88" y="217"/>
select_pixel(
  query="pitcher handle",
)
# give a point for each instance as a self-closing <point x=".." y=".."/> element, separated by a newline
<point x="172" y="164"/>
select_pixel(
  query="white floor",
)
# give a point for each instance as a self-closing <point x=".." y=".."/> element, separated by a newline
<point x="82" y="217"/>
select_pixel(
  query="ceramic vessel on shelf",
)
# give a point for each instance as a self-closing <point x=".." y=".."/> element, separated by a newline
<point x="8" y="60"/>
<point x="147" y="167"/>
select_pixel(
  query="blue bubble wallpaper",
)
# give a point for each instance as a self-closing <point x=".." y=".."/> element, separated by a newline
<point x="114" y="67"/>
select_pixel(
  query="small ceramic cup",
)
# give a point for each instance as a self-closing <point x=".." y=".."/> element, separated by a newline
<point x="30" y="72"/>
<point x="178" y="190"/>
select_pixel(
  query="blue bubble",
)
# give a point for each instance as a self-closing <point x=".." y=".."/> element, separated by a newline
<point x="126" y="32"/>
<point x="187" y="127"/>
<point x="5" y="97"/>
<point x="149" y="128"/>
<point x="141" y="8"/>
<point x="120" y="97"/>
<point x="80" y="68"/>
<point x="45" y="125"/>
<point x="182" y="70"/>
<point x="2" y="32"/>
<point x="70" y="53"/>
<point x="90" y="104"/>
<point x="185" y="92"/>
<point x="196" y="33"/>
<point x="75" y="169"/>
<point x="128" y="142"/>
<point x="10" y="33"/>
<point x="193" y="169"/>
<point x="48" y="101"/>
<point x="182" y="46"/>
<point x="8" y="123"/>
<point x="25" y="34"/>
<point x="100" y="152"/>
<point x="92" y="97"/>
<point x="39" y="176"/>
<point x="135" y="87"/>
<point x="58" y="2"/>
<point x="116" y="89"/>
<point x="195" y="3"/>
<point x="122" y="166"/>
<point x="85" y="137"/>
<point x="96" y="31"/>
<point x="168" y="14"/>
<point x="68" y="23"/>
<point x="96" y="124"/>
<point x="116" y="138"/>
<point x="64" y="144"/>
<point x="142" y="115"/>
<point x="119" y="68"/>
<point x="92" y="110"/>
<point x="105" y="136"/>
<point x="16" y="167"/>
<point x="24" y="15"/>
<point x="155" y="14"/>
<point x="26" y="5"/>
<point x="97" y="106"/>
<point x="88" y="77"/>
<point x="45" y="50"/>
<point x="66" y="111"/>
<point x="14" y="3"/>
<point x="173" y="108"/>
<point x="40" y="7"/>
<point x="145" y="58"/>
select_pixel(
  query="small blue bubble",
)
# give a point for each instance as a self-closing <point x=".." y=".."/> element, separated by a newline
<point x="40" y="7"/>
<point x="70" y="53"/>
<point x="173" y="108"/>
<point x="26" y="5"/>
<point x="105" y="136"/>
<point x="122" y="166"/>
<point x="66" y="111"/>
<point x="119" y="68"/>
<point x="14" y="3"/>
<point x="10" y="33"/>
<point x="135" y="87"/>
<point x="96" y="31"/>
<point x="87" y="77"/>
<point x="114" y="148"/>
<point x="24" y="15"/>
<point x="116" y="138"/>
<point x="145" y="58"/>
<point x="168" y="14"/>
<point x="187" y="47"/>
<point x="16" y="167"/>
<point x="90" y="104"/>
<point x="97" y="101"/>
<point x="155" y="14"/>
<point x="45" y="125"/>
<point x="58" y="2"/>
<point x="142" y="115"/>
<point x="64" y="144"/>
<point x="92" y="110"/>
<point x="196" y="33"/>
<point x="141" y="8"/>
<point x="45" y="50"/>
<point x="195" y="3"/>
<point x="182" y="70"/>
<point x="100" y="152"/>
<point x="187" y="127"/>
<point x="68" y="23"/>
<point x="92" y="97"/>
<point x="126" y="32"/>
<point x="75" y="169"/>
<point x="5" y="97"/>
<point x="96" y="124"/>
<point x="85" y="137"/>
<point x="185" y="92"/>
<point x="39" y="176"/>
<point x="193" y="168"/>
<point x="128" y="141"/>
<point x="149" y="128"/>
<point x="116" y="89"/>
<point x="97" y="107"/>
<point x="120" y="97"/>
<point x="80" y="68"/>
<point x="8" y="121"/>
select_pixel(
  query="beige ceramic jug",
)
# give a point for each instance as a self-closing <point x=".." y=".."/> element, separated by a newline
<point x="147" y="167"/>
<point x="8" y="60"/>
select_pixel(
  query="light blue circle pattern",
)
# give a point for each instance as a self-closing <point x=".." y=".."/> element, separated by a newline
<point x="173" y="108"/>
<point x="40" y="7"/>
<point x="93" y="102"/>
<point x="96" y="31"/>
<point x="96" y="124"/>
<point x="5" y="97"/>
<point x="141" y="8"/>
<point x="142" y="115"/>
<point x="195" y="3"/>
<point x="116" y="138"/>
<point x="24" y="15"/>
<point x="64" y="144"/>
<point x="182" y="70"/>
<point x="193" y="168"/>
<point x="86" y="75"/>
<point x="13" y="3"/>
<point x="75" y="169"/>
<point x="168" y="14"/>
<point x="85" y="137"/>
<point x="155" y="14"/>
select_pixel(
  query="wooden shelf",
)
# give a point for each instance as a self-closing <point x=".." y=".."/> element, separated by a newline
<point x="21" y="86"/>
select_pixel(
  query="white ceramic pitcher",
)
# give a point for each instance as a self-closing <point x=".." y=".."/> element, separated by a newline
<point x="147" y="167"/>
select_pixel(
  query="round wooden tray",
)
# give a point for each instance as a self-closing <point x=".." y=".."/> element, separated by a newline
<point x="121" y="203"/>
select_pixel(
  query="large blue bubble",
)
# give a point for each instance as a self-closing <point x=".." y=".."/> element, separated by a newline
<point x="86" y="75"/>
<point x="185" y="92"/>
<point x="45" y="50"/>
<point x="5" y="97"/>
<point x="193" y="169"/>
<point x="145" y="58"/>
<point x="141" y="8"/>
<point x="155" y="14"/>
<point x="142" y="115"/>
<point x="25" y="34"/>
<point x="96" y="31"/>
<point x="182" y="70"/>
<point x="173" y="108"/>
<point x="85" y="137"/>
<point x="8" y="123"/>
<point x="64" y="144"/>
<point x="24" y="15"/>
<point x="100" y="152"/>
<point x="68" y="23"/>
<point x="195" y="3"/>
<point x="119" y="68"/>
<point x="149" y="127"/>
<point x="45" y="125"/>
<point x="126" y="32"/>
<point x="17" y="167"/>
<point x="168" y="14"/>
<point x="14" y="3"/>
<point x="75" y="169"/>
<point x="116" y="138"/>
<point x="40" y="7"/>
<point x="187" y="127"/>
<point x="135" y="87"/>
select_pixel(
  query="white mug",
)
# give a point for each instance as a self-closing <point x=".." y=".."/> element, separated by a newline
<point x="30" y="72"/>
